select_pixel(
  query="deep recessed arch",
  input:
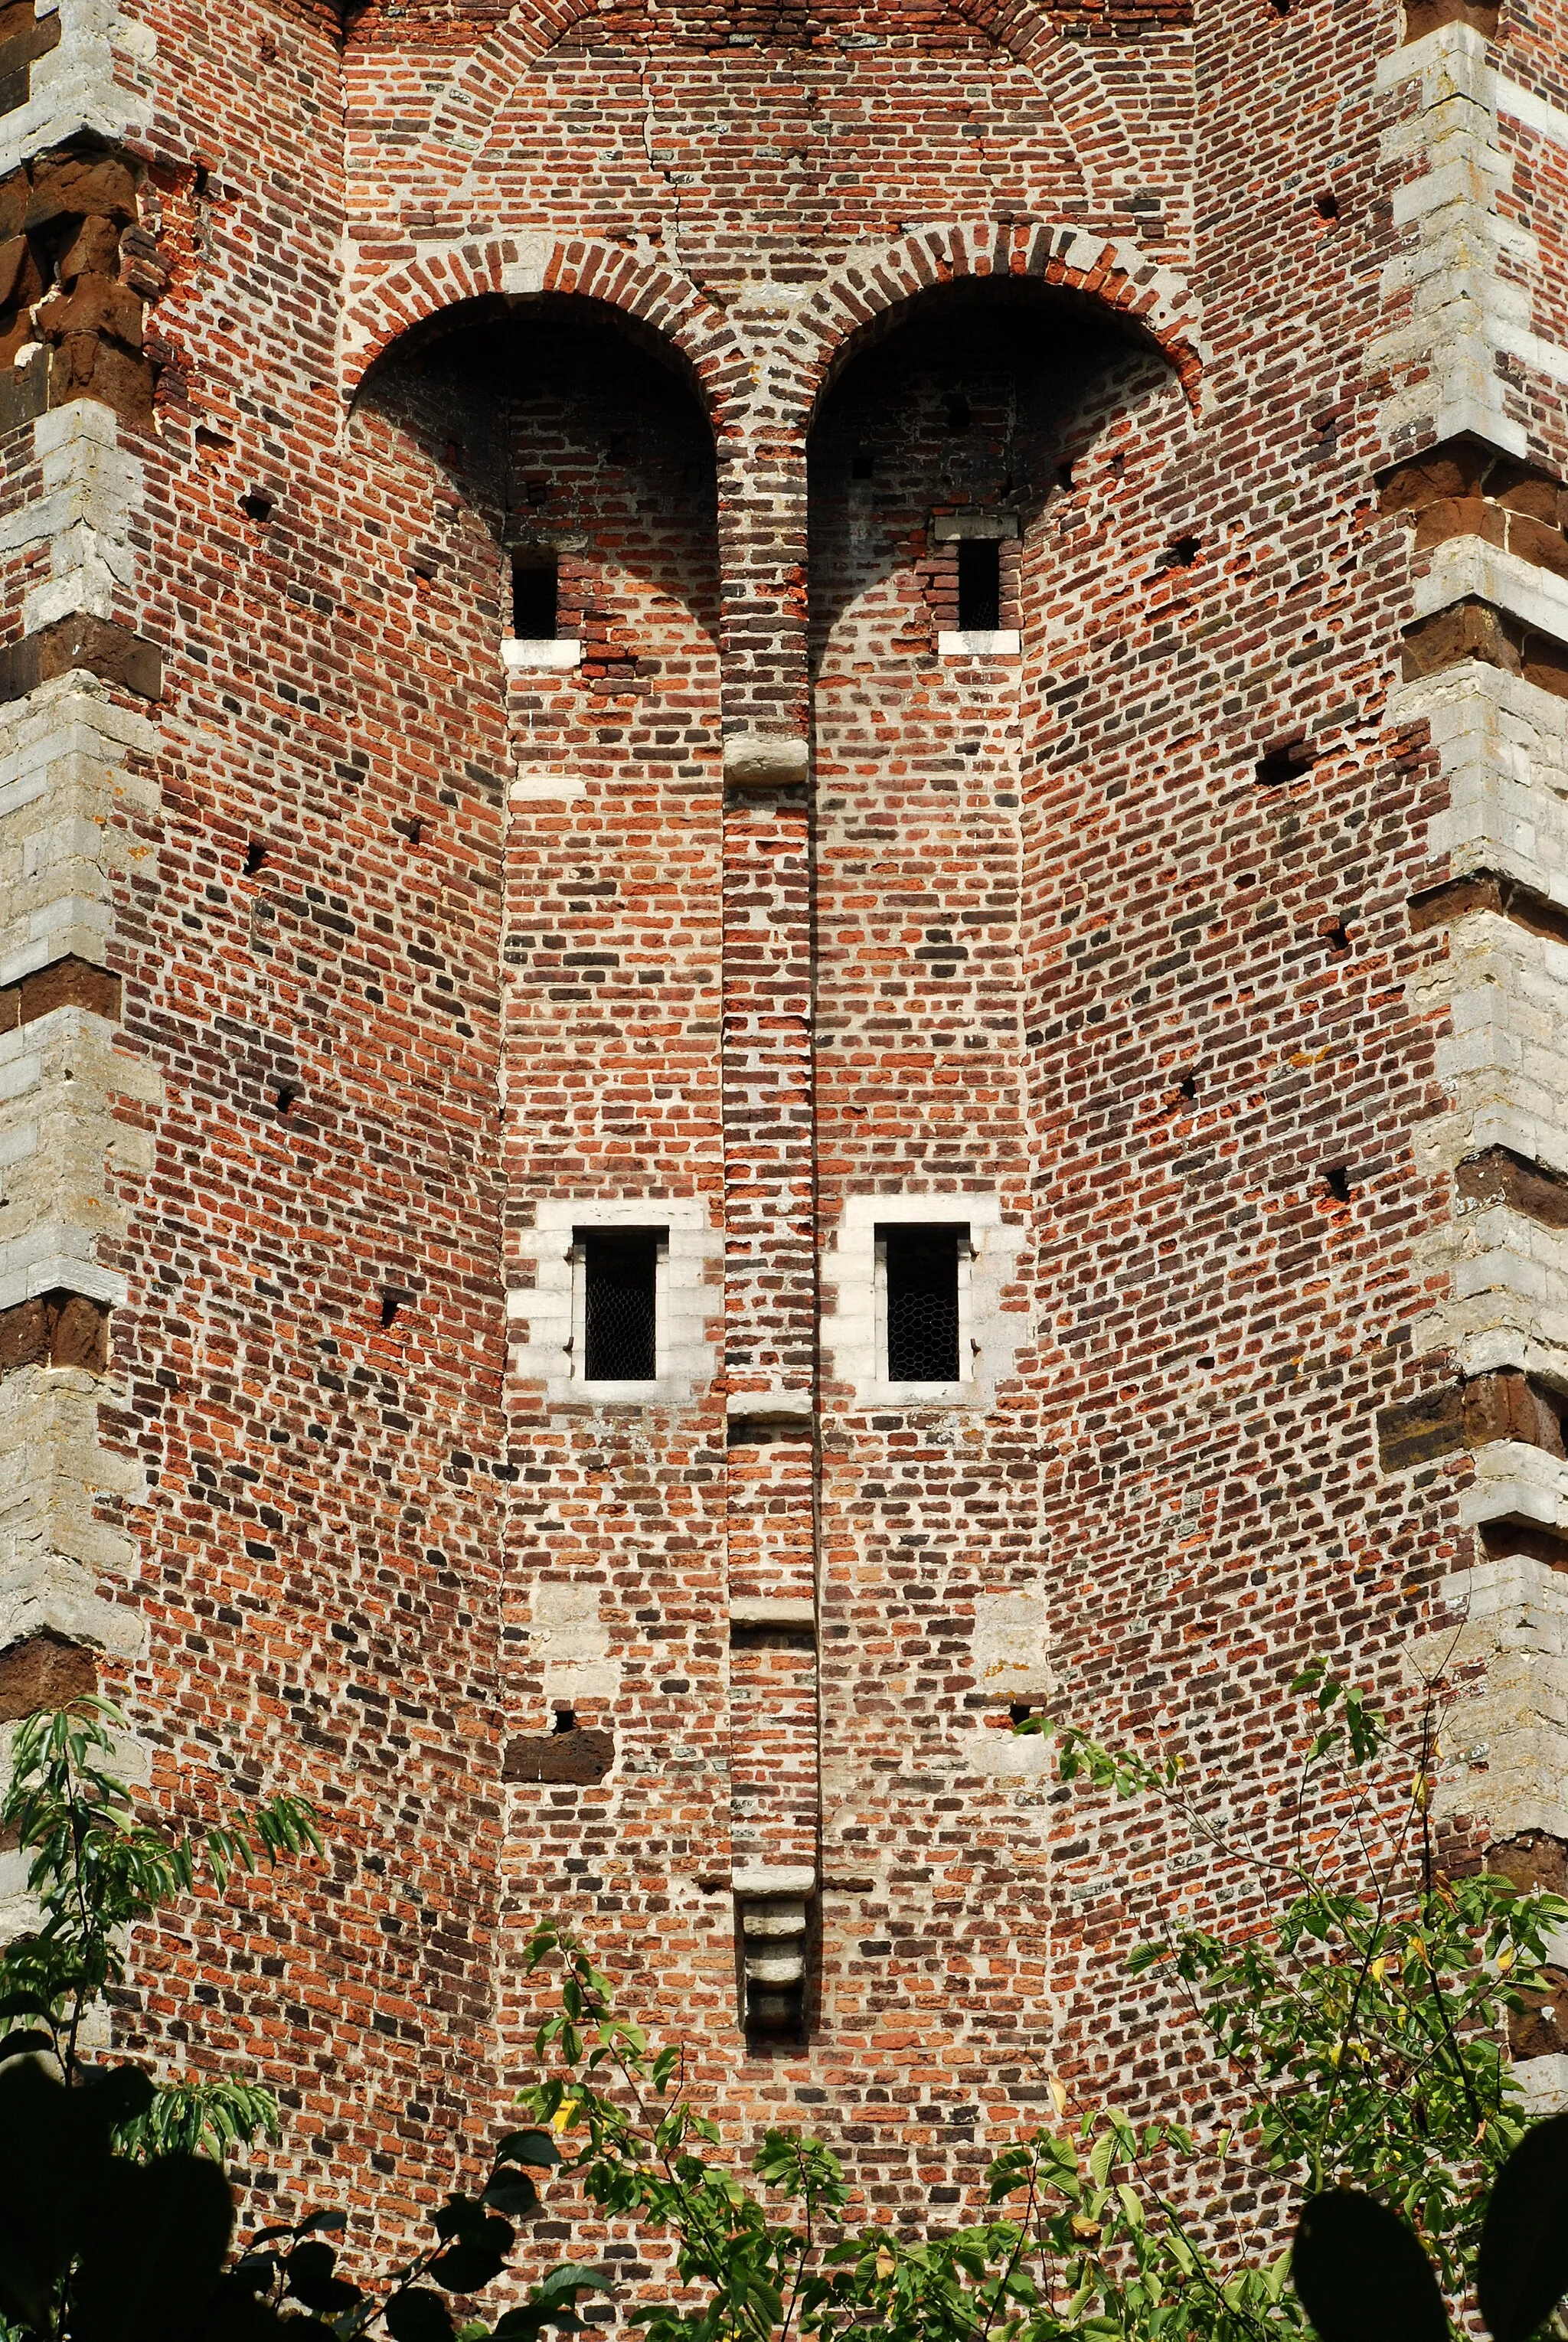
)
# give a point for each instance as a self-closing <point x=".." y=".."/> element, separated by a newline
<point x="1114" y="280"/>
<point x="428" y="294"/>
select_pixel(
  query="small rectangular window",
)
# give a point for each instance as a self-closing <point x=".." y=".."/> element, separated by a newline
<point x="535" y="597"/>
<point x="921" y="1299"/>
<point x="620" y="1304"/>
<point x="979" y="585"/>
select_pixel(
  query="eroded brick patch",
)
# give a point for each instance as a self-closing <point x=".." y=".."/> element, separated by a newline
<point x="1468" y="490"/>
<point x="55" y="1329"/>
<point x="75" y="266"/>
<point x="25" y="38"/>
<point x="43" y="1671"/>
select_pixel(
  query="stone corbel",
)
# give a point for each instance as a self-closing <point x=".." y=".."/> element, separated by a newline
<point x="771" y="1907"/>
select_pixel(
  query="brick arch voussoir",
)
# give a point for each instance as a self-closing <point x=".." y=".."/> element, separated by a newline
<point x="442" y="277"/>
<point x="485" y="80"/>
<point x="1083" y="107"/>
<point x="1119" y="274"/>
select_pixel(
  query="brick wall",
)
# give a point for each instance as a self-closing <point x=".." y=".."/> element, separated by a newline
<point x="1190" y="942"/>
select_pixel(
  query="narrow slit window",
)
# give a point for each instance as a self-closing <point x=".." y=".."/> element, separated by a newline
<point x="979" y="585"/>
<point x="620" y="1305"/>
<point x="535" y="597"/>
<point x="920" y="1267"/>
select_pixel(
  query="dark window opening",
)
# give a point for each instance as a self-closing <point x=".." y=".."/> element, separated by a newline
<point x="958" y="414"/>
<point x="1328" y="206"/>
<point x="565" y="1720"/>
<point x="535" y="598"/>
<point x="1336" y="1179"/>
<point x="256" y="855"/>
<point x="921" y="1292"/>
<point x="979" y="584"/>
<point x="620" y="1270"/>
<point x="257" y="505"/>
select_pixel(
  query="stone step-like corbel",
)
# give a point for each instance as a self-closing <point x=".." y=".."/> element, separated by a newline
<point x="773" y="1908"/>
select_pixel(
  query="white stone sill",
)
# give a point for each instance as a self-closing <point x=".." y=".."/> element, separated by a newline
<point x="1004" y="641"/>
<point x="906" y="1396"/>
<point x="557" y="653"/>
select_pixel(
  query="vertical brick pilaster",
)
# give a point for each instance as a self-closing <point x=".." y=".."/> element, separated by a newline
<point x="770" y="1300"/>
<point x="763" y="530"/>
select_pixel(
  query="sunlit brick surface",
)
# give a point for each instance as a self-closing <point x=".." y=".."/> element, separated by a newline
<point x="767" y="905"/>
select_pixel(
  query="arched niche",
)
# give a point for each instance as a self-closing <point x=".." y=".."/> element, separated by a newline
<point x="571" y="433"/>
<point x="954" y="417"/>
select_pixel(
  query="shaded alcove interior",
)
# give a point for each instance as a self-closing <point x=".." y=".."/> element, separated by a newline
<point x="576" y="436"/>
<point x="970" y="398"/>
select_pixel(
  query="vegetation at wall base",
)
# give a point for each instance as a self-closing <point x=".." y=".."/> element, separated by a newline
<point x="115" y="2213"/>
<point x="1356" y="2029"/>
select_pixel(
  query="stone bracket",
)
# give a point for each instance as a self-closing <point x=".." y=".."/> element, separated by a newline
<point x="771" y="1903"/>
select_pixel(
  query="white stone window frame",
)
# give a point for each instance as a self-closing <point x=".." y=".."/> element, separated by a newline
<point x="610" y="1388"/>
<point x="546" y="1319"/>
<point x="854" y="1325"/>
<point x="519" y="654"/>
<point x="972" y="642"/>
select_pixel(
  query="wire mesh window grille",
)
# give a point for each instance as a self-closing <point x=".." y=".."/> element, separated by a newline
<point x="620" y="1306"/>
<point x="920" y="1267"/>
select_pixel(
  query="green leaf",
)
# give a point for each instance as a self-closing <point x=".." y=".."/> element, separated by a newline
<point x="468" y="2266"/>
<point x="24" y="2004"/>
<point x="512" y="2193"/>
<point x="566" y="2280"/>
<point x="534" y="2147"/>
<point x="26" y="2044"/>
<point x="119" y="2094"/>
<point x="418" y="2315"/>
<point x="1360" y="2275"/>
<point x="152" y="2251"/>
<point x="460" y="2216"/>
<point x="1522" y="2271"/>
<point x="311" y="2279"/>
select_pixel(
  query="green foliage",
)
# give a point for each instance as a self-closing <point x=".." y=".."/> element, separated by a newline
<point x="1352" y="2027"/>
<point x="1362" y="2277"/>
<point x="97" y="1873"/>
<point x="115" y="2213"/>
<point x="1355" y="2030"/>
<point x="290" y="2278"/>
<point x="1361" y="2274"/>
<point x="94" y="2245"/>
